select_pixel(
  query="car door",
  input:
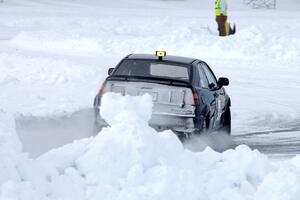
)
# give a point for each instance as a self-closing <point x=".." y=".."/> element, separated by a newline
<point x="208" y="105"/>
<point x="214" y="96"/>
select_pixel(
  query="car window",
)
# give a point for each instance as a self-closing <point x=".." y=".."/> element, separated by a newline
<point x="210" y="77"/>
<point x="173" y="71"/>
<point x="202" y="78"/>
<point x="153" y="69"/>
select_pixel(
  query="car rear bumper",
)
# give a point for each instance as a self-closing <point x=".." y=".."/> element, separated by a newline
<point x="161" y="122"/>
<point x="177" y="123"/>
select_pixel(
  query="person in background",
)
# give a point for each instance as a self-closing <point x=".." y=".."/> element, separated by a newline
<point x="221" y="16"/>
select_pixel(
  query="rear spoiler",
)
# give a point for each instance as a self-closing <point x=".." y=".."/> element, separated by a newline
<point x="160" y="80"/>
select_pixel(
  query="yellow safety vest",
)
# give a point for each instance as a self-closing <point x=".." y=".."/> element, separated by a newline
<point x="218" y="8"/>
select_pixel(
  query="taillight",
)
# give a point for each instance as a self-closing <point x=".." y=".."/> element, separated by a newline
<point x="102" y="90"/>
<point x="196" y="99"/>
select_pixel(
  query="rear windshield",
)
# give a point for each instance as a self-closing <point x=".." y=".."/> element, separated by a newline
<point x="153" y="69"/>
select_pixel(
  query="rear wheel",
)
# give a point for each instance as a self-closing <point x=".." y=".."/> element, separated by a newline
<point x="204" y="125"/>
<point x="227" y="121"/>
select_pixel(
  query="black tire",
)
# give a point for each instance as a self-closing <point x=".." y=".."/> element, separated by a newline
<point x="226" y="127"/>
<point x="205" y="125"/>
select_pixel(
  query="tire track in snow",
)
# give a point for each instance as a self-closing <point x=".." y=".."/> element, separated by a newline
<point x="282" y="142"/>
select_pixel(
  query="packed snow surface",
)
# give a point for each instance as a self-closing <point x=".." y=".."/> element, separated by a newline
<point x="130" y="160"/>
<point x="54" y="56"/>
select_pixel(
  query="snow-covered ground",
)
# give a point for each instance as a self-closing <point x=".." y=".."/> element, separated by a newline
<point x="54" y="55"/>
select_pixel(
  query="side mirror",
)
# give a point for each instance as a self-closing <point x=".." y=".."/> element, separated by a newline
<point x="223" y="82"/>
<point x="110" y="71"/>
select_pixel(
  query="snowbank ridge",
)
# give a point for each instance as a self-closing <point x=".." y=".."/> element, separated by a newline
<point x="130" y="160"/>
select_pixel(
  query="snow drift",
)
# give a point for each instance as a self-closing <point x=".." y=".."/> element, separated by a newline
<point x="130" y="160"/>
<point x="10" y="148"/>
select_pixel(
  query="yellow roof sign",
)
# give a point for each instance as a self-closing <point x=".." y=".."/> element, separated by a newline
<point x="160" y="54"/>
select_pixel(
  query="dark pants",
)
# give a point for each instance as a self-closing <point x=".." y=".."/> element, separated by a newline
<point x="221" y="21"/>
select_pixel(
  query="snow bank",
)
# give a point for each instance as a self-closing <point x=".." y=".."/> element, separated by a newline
<point x="252" y="41"/>
<point x="282" y="183"/>
<point x="130" y="160"/>
<point x="51" y="84"/>
<point x="45" y="40"/>
<point x="10" y="149"/>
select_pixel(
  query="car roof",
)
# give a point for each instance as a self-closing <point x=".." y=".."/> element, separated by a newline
<point x="178" y="59"/>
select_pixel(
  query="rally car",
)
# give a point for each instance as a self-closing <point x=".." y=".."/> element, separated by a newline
<point x="187" y="97"/>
